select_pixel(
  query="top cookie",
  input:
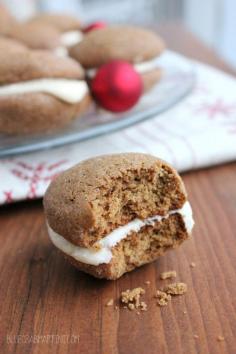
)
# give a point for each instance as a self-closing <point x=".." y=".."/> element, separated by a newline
<point x="129" y="43"/>
<point x="29" y="65"/>
<point x="61" y="22"/>
<point x="35" y="35"/>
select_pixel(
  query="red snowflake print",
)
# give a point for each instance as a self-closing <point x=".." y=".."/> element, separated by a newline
<point x="217" y="108"/>
<point x="36" y="174"/>
<point x="8" y="196"/>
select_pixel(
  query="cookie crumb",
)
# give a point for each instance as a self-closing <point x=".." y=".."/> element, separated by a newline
<point x="192" y="265"/>
<point x="131" y="306"/>
<point x="132" y="299"/>
<point x="110" y="302"/>
<point x="143" y="306"/>
<point x="162" y="298"/>
<point x="176" y="289"/>
<point x="168" y="275"/>
<point x="147" y="282"/>
<point x="220" y="338"/>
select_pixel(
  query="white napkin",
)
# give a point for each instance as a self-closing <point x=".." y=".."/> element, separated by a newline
<point x="199" y="131"/>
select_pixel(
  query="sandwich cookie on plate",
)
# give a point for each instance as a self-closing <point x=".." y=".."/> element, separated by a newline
<point x="39" y="91"/>
<point x="137" y="46"/>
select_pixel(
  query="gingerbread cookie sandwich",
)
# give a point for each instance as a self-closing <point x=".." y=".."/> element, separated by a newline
<point x="39" y="91"/>
<point x="111" y="214"/>
<point x="68" y="26"/>
<point x="137" y="46"/>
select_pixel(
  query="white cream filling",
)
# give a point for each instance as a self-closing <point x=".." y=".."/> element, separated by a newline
<point x="147" y="66"/>
<point x="142" y="67"/>
<point x="70" y="91"/>
<point x="104" y="252"/>
<point x="70" y="38"/>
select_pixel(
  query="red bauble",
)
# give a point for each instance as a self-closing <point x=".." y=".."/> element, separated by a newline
<point x="95" y="26"/>
<point x="117" y="86"/>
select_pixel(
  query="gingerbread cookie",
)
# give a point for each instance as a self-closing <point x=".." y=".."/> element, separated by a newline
<point x="68" y="26"/>
<point x="135" y="45"/>
<point x="39" y="91"/>
<point x="35" y="35"/>
<point x="111" y="214"/>
<point x="62" y="22"/>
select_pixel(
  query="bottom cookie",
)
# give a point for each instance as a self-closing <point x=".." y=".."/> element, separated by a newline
<point x="37" y="113"/>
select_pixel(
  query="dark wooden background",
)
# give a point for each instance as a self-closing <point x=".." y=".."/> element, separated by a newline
<point x="41" y="295"/>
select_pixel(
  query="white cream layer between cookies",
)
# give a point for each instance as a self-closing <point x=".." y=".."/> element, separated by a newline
<point x="68" y="39"/>
<point x="104" y="252"/>
<point x="141" y="68"/>
<point x="67" y="90"/>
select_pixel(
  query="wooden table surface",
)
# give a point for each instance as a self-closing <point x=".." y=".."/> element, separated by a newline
<point x="49" y="307"/>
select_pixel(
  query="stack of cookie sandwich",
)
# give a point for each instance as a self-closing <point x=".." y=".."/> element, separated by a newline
<point x="49" y="65"/>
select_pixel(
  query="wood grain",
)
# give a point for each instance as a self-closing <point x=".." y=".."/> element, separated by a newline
<point x="41" y="295"/>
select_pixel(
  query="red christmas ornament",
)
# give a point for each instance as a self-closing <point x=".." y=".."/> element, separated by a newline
<point x="117" y="86"/>
<point x="95" y="26"/>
